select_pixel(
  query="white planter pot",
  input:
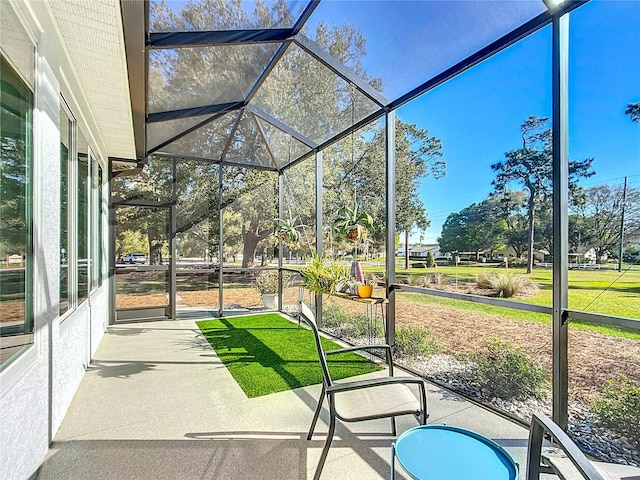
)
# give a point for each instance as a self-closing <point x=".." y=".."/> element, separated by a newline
<point x="270" y="301"/>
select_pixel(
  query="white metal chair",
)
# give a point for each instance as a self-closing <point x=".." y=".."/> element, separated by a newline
<point x="354" y="401"/>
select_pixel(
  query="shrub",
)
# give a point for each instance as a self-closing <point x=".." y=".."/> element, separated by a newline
<point x="484" y="281"/>
<point x="618" y="408"/>
<point x="267" y="282"/>
<point x="507" y="372"/>
<point x="334" y="316"/>
<point x="437" y="279"/>
<point x="353" y="326"/>
<point x="430" y="260"/>
<point x="415" y="341"/>
<point x="507" y="286"/>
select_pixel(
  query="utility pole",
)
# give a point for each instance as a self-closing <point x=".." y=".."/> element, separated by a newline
<point x="624" y="203"/>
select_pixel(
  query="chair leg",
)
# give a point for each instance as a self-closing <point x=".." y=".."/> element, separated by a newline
<point x="393" y="426"/>
<point x="325" y="450"/>
<point x="316" y="414"/>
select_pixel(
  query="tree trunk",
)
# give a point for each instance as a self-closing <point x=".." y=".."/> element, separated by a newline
<point x="406" y="250"/>
<point x="517" y="251"/>
<point x="155" y="246"/>
<point x="531" y="215"/>
<point x="251" y="237"/>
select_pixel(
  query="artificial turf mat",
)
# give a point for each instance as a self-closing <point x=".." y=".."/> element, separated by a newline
<point x="268" y="353"/>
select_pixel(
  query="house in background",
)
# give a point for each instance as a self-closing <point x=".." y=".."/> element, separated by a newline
<point x="418" y="252"/>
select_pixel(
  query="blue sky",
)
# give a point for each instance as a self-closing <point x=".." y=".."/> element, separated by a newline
<point x="478" y="115"/>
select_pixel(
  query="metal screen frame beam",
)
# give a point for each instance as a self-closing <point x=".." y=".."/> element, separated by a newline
<point x="209" y="160"/>
<point x="304" y="16"/>
<point x="319" y="243"/>
<point x="263" y="135"/>
<point x="318" y="53"/>
<point x="232" y="133"/>
<point x="195" y="111"/>
<point x="625" y="322"/>
<point x="483" y="54"/>
<point x="280" y="242"/>
<point x="173" y="224"/>
<point x="560" y="89"/>
<point x="505" y="41"/>
<point x="390" y="222"/>
<point x="185" y="132"/>
<point x="212" y="38"/>
<point x="281" y="126"/>
<point x="220" y="246"/>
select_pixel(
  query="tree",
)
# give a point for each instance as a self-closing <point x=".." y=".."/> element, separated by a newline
<point x="418" y="155"/>
<point x="599" y="218"/>
<point x="532" y="167"/>
<point x="633" y="110"/>
<point x="475" y="228"/>
<point x="512" y="209"/>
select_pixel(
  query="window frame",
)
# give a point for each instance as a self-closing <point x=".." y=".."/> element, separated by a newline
<point x="27" y="328"/>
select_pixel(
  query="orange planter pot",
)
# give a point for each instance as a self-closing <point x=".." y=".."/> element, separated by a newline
<point x="365" y="291"/>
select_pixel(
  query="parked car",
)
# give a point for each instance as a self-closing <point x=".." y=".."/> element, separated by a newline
<point x="134" y="258"/>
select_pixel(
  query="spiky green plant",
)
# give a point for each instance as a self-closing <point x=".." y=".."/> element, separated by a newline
<point x="353" y="224"/>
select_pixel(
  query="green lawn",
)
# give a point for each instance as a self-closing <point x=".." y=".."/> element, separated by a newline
<point x="268" y="353"/>
<point x="599" y="291"/>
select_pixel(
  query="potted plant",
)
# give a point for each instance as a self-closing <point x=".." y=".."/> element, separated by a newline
<point x="365" y="289"/>
<point x="352" y="224"/>
<point x="349" y="286"/>
<point x="287" y="229"/>
<point x="320" y="276"/>
<point x="267" y="285"/>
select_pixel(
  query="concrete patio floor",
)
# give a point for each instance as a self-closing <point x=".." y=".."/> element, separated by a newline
<point x="156" y="403"/>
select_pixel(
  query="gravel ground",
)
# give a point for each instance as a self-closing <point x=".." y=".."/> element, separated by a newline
<point x="600" y="442"/>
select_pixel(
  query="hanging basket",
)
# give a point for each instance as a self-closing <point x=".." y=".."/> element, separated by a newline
<point x="353" y="234"/>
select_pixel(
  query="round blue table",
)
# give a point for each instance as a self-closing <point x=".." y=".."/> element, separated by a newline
<point x="442" y="452"/>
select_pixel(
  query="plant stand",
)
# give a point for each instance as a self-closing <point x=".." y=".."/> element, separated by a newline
<point x="371" y="306"/>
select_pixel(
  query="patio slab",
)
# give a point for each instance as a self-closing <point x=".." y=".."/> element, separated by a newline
<point x="157" y="403"/>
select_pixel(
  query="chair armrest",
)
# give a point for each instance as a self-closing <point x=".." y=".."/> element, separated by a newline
<point x="382" y="346"/>
<point x="541" y="424"/>
<point x="373" y="382"/>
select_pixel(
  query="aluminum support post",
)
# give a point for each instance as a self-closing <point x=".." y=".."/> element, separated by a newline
<point x="319" y="246"/>
<point x="390" y="224"/>
<point x="280" y="242"/>
<point x="220" y="245"/>
<point x="560" y="70"/>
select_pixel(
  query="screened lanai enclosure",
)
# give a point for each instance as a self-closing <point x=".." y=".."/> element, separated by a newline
<point x="245" y="113"/>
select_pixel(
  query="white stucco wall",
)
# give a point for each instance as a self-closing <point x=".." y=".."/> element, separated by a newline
<point x="36" y="389"/>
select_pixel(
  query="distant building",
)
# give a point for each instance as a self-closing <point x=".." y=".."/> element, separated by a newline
<point x="421" y="251"/>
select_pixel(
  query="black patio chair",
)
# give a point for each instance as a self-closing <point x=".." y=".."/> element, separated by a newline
<point x="354" y="401"/>
<point x="575" y="465"/>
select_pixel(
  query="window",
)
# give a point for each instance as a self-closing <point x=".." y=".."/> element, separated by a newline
<point x="74" y="213"/>
<point x="66" y="131"/>
<point x="82" y="266"/>
<point x="97" y="212"/>
<point x="16" y="322"/>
